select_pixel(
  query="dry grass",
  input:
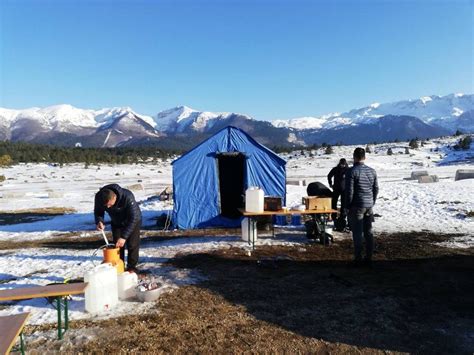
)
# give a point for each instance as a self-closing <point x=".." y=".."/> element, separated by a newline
<point x="418" y="298"/>
<point x="31" y="215"/>
<point x="53" y="211"/>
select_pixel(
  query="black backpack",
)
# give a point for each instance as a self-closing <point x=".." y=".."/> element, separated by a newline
<point x="314" y="231"/>
<point x="318" y="189"/>
<point x="340" y="224"/>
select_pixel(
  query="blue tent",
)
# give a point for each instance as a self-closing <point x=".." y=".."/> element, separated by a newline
<point x="209" y="181"/>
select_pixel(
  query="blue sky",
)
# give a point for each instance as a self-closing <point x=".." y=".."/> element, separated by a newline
<point x="268" y="59"/>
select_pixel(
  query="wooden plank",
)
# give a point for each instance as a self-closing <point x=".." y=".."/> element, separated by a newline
<point x="285" y="212"/>
<point x="42" y="291"/>
<point x="10" y="329"/>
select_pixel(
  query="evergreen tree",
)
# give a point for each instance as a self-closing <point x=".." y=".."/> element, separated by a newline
<point x="413" y="144"/>
<point x="389" y="151"/>
<point x="464" y="143"/>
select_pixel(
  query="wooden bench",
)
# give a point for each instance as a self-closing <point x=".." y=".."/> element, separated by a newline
<point x="58" y="292"/>
<point x="10" y="328"/>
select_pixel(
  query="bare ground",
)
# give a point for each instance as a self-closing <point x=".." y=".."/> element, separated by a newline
<point x="417" y="298"/>
<point x="31" y="215"/>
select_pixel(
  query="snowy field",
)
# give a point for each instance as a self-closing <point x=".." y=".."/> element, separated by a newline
<point x="403" y="206"/>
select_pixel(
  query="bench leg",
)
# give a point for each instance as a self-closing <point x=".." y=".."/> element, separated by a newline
<point x="66" y="314"/>
<point x="60" y="301"/>
<point x="22" y="344"/>
<point x="58" y="307"/>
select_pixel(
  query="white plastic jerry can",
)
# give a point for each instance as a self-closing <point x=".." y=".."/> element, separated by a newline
<point x="127" y="283"/>
<point x="249" y="231"/>
<point x="254" y="199"/>
<point x="101" y="293"/>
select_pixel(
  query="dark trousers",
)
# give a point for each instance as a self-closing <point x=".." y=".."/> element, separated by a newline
<point x="132" y="244"/>
<point x="360" y="221"/>
<point x="335" y="197"/>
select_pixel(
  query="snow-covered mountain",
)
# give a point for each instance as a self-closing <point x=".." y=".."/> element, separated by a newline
<point x="57" y="124"/>
<point x="182" y="118"/>
<point x="182" y="126"/>
<point x="443" y="111"/>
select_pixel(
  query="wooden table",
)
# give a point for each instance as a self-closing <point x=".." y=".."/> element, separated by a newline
<point x="58" y="292"/>
<point x="252" y="216"/>
<point x="10" y="328"/>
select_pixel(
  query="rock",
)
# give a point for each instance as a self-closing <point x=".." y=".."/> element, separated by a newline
<point x="136" y="187"/>
<point x="415" y="175"/>
<point x="428" y="179"/>
<point x="463" y="174"/>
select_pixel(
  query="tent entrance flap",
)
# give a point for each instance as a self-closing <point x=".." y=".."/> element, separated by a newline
<point x="231" y="168"/>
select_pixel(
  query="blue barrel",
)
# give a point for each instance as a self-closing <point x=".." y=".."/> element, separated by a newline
<point x="280" y="220"/>
<point x="296" y="220"/>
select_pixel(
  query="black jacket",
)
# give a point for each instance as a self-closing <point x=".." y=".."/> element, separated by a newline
<point x="361" y="186"/>
<point x="339" y="174"/>
<point x="124" y="214"/>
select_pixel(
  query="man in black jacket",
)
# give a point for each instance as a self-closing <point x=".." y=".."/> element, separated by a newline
<point x="126" y="220"/>
<point x="338" y="187"/>
<point x="361" y="192"/>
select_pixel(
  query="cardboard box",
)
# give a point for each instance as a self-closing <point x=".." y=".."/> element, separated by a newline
<point x="272" y="203"/>
<point x="317" y="203"/>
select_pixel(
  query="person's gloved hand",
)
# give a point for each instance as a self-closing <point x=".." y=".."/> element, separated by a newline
<point x="100" y="226"/>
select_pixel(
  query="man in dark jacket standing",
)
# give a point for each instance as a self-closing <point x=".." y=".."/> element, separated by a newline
<point x="338" y="187"/>
<point x="361" y="192"/>
<point x="126" y="220"/>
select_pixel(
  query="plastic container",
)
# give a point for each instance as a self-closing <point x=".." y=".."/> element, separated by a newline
<point x="254" y="199"/>
<point x="101" y="292"/>
<point x="248" y="235"/>
<point x="127" y="283"/>
<point x="112" y="256"/>
<point x="296" y="220"/>
<point x="148" y="295"/>
<point x="280" y="220"/>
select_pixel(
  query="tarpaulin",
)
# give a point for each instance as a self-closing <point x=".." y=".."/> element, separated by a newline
<point x="196" y="178"/>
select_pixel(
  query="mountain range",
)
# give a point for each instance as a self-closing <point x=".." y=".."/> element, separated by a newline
<point x="182" y="127"/>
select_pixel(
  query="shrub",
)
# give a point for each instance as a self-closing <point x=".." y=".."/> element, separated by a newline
<point x="413" y="144"/>
<point x="465" y="143"/>
<point x="6" y="160"/>
<point x="389" y="151"/>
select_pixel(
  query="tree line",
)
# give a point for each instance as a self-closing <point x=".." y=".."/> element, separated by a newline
<point x="20" y="152"/>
